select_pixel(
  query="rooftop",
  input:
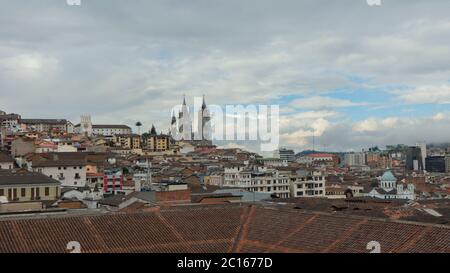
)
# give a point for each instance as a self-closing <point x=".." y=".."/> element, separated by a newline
<point x="219" y="229"/>
<point x="388" y="176"/>
<point x="24" y="178"/>
<point x="4" y="157"/>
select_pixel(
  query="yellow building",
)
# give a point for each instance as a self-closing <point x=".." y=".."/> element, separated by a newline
<point x="158" y="143"/>
<point x="128" y="141"/>
<point x="28" y="186"/>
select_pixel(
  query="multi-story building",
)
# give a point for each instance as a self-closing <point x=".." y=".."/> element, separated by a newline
<point x="355" y="159"/>
<point x="423" y="151"/>
<point x="105" y="130"/>
<point x="9" y="121"/>
<point x="435" y="164"/>
<point x="67" y="168"/>
<point x="113" y="181"/>
<point x="319" y="158"/>
<point x="285" y="154"/>
<point x="447" y="163"/>
<point x="378" y="160"/>
<point x="414" y="161"/>
<point x="128" y="141"/>
<point x="46" y="125"/>
<point x="27" y="186"/>
<point x="257" y="180"/>
<point x="156" y="142"/>
<point x="308" y="184"/>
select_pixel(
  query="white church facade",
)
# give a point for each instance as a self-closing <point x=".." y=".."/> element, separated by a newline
<point x="183" y="125"/>
<point x="390" y="189"/>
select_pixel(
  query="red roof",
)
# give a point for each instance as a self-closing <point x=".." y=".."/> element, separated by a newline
<point x="226" y="228"/>
<point x="321" y="155"/>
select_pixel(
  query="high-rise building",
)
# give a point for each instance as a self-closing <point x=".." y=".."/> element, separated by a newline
<point x="285" y="154"/>
<point x="414" y="161"/>
<point x="355" y="159"/>
<point x="423" y="150"/>
<point x="435" y="164"/>
<point x="447" y="163"/>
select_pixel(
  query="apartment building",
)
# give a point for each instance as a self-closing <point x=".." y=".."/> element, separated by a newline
<point x="355" y="159"/>
<point x="257" y="180"/>
<point x="127" y="141"/>
<point x="157" y="143"/>
<point x="46" y="125"/>
<point x="308" y="184"/>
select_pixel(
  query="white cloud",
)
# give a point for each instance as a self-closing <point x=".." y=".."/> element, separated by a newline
<point x="438" y="94"/>
<point x="320" y="102"/>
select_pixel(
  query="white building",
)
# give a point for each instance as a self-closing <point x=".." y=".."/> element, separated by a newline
<point x="67" y="168"/>
<point x="355" y="159"/>
<point x="390" y="189"/>
<point x="85" y="127"/>
<point x="260" y="180"/>
<point x="308" y="184"/>
<point x="423" y="150"/>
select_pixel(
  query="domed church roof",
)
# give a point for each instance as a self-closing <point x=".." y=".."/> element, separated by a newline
<point x="388" y="176"/>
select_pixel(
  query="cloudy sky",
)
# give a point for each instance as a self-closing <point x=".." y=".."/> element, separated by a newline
<point x="351" y="74"/>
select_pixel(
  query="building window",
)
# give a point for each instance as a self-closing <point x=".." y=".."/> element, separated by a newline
<point x="22" y="192"/>
<point x="47" y="191"/>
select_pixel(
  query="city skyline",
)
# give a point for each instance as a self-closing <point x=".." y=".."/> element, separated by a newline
<point x="384" y="82"/>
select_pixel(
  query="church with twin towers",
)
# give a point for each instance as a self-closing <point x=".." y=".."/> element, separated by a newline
<point x="183" y="126"/>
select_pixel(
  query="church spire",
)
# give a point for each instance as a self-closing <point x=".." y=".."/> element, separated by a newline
<point x="204" y="103"/>
<point x="184" y="99"/>
<point x="174" y="119"/>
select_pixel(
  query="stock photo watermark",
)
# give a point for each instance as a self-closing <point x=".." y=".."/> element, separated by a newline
<point x="73" y="2"/>
<point x="374" y="3"/>
<point x="75" y="247"/>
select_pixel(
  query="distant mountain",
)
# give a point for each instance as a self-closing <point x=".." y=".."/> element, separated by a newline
<point x="308" y="152"/>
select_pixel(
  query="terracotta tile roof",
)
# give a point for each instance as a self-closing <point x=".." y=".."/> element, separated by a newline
<point x="4" y="157"/>
<point x="224" y="228"/>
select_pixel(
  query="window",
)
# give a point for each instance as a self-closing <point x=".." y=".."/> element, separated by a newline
<point x="47" y="191"/>
<point x="37" y="192"/>
<point x="22" y="192"/>
<point x="2" y="192"/>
